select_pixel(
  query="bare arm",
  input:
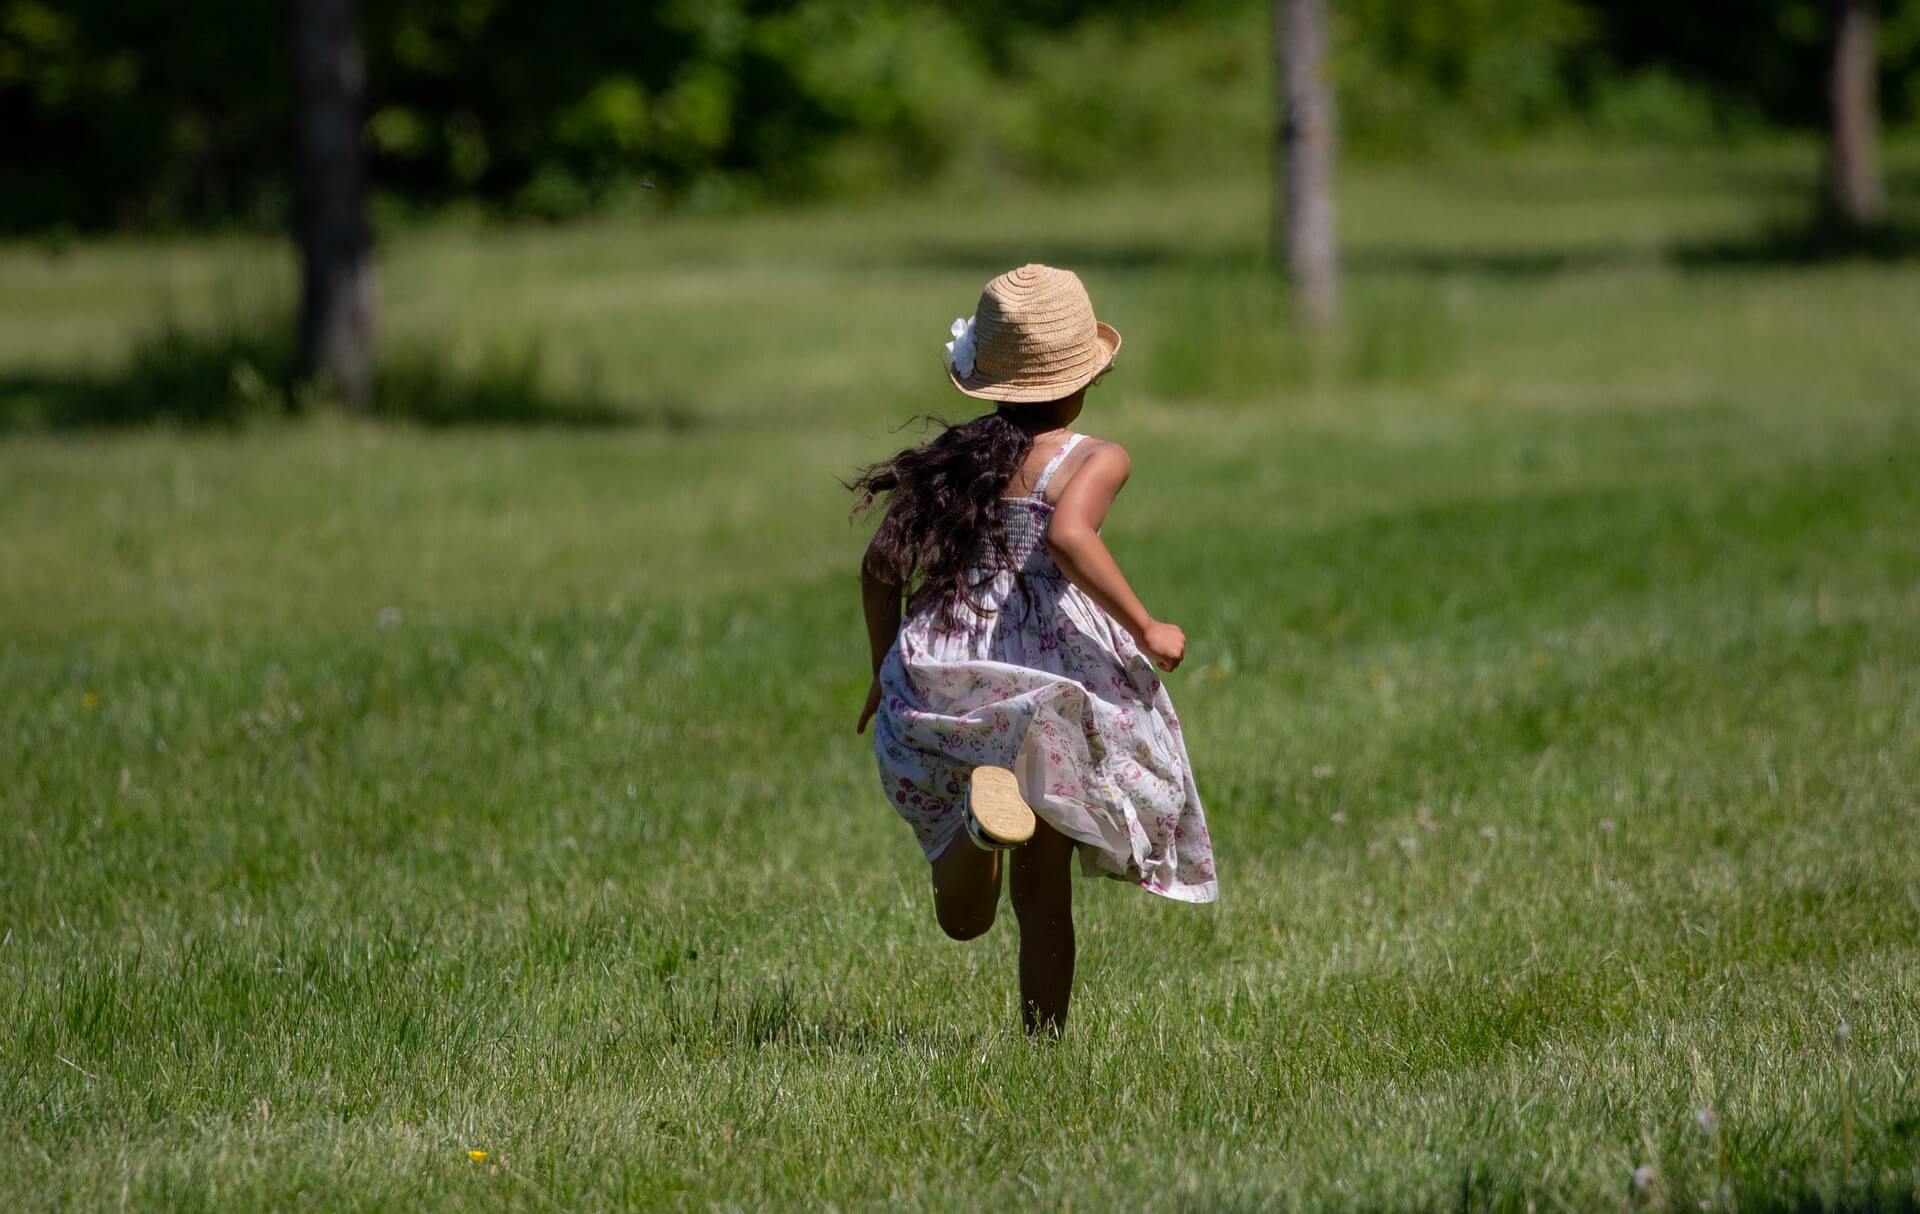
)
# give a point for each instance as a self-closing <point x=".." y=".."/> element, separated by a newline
<point x="1073" y="537"/>
<point x="880" y="602"/>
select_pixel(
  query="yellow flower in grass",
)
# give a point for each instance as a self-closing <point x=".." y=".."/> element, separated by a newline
<point x="90" y="700"/>
<point x="477" y="1156"/>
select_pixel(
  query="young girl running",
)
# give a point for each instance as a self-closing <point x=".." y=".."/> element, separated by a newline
<point x="1017" y="710"/>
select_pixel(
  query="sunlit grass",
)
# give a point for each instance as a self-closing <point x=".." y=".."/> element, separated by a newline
<point x="373" y="796"/>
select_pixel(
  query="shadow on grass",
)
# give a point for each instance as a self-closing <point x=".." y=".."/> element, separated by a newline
<point x="1804" y="242"/>
<point x="1787" y="244"/>
<point x="990" y="257"/>
<point x="773" y="1015"/>
<point x="229" y="378"/>
<point x="1489" y="261"/>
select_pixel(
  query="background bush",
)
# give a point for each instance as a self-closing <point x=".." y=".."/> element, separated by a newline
<point x="134" y="113"/>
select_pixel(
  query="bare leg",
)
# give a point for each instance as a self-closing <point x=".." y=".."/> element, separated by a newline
<point x="1043" y="902"/>
<point x="966" y="888"/>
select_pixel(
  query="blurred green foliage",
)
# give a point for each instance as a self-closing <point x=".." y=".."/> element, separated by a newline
<point x="135" y="113"/>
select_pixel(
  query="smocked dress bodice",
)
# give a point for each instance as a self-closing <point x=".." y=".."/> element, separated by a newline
<point x="1026" y="520"/>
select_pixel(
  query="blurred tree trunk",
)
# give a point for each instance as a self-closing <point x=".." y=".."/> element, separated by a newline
<point x="1303" y="217"/>
<point x="1857" y="192"/>
<point x="339" y="297"/>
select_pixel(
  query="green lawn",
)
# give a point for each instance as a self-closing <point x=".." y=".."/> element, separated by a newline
<point x="370" y="795"/>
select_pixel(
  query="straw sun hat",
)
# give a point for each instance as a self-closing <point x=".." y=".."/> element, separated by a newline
<point x="1033" y="337"/>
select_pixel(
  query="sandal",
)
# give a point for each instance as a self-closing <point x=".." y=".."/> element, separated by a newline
<point x="998" y="818"/>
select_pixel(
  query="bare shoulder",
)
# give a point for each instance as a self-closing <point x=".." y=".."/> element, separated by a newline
<point x="1098" y="467"/>
<point x="1110" y="454"/>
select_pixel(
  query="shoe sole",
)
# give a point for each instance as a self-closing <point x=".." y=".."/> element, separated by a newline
<point x="993" y="797"/>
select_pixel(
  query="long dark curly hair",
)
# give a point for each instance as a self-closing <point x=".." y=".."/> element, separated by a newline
<point x="943" y="523"/>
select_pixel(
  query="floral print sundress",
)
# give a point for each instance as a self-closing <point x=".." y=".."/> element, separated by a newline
<point x="1039" y="679"/>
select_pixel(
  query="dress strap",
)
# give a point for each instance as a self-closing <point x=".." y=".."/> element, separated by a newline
<point x="1053" y="465"/>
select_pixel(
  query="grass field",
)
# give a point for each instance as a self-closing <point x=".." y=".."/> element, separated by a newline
<point x="371" y="795"/>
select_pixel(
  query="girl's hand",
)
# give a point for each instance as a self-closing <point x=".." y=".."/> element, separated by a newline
<point x="873" y="705"/>
<point x="1166" y="644"/>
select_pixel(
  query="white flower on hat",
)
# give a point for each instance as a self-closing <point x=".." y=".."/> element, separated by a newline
<point x="960" y="349"/>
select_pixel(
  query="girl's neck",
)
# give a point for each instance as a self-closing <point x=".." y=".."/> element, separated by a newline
<point x="1036" y="420"/>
